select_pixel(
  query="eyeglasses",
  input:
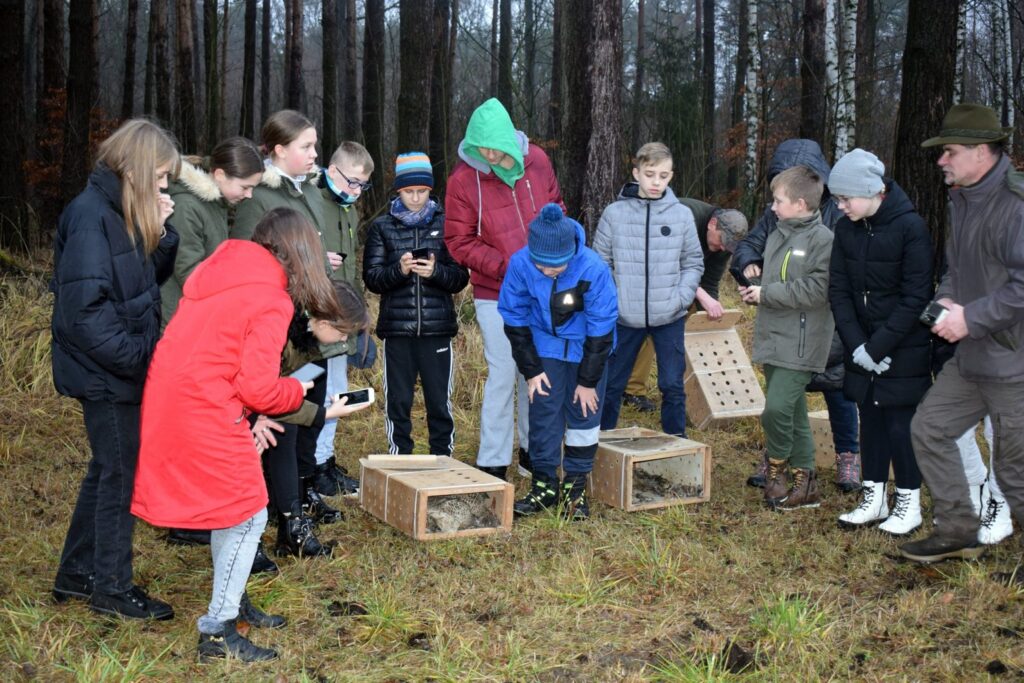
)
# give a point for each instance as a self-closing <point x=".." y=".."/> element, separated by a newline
<point x="839" y="201"/>
<point x="355" y="184"/>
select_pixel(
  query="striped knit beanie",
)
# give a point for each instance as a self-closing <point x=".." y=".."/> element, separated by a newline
<point x="413" y="170"/>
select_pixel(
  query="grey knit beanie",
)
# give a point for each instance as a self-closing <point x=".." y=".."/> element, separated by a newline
<point x="858" y="174"/>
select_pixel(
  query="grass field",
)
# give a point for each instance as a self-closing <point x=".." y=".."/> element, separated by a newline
<point x="716" y="592"/>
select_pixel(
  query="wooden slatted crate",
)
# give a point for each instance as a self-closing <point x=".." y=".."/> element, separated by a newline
<point x="643" y="469"/>
<point x="720" y="381"/>
<point x="414" y="494"/>
<point x="821" y="430"/>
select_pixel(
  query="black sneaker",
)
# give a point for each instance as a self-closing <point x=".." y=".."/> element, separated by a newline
<point x="261" y="564"/>
<point x="936" y="548"/>
<point x="641" y="403"/>
<point x="68" y="586"/>
<point x="248" y="613"/>
<point x="501" y="472"/>
<point x="188" y="537"/>
<point x="132" y="604"/>
<point x="230" y="643"/>
<point x="541" y="496"/>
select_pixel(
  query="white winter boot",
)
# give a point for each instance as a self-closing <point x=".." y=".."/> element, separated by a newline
<point x="996" y="523"/>
<point x="873" y="507"/>
<point x="906" y="513"/>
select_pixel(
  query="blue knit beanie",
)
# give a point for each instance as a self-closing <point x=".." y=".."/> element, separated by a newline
<point x="552" y="239"/>
<point x="413" y="170"/>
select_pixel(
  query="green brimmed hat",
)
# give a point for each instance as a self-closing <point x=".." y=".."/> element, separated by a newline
<point x="969" y="124"/>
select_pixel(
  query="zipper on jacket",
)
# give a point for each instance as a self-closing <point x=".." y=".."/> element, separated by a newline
<point x="647" y="267"/>
<point x="867" y="247"/>
<point x="529" y="188"/>
<point x="551" y="302"/>
<point x="803" y="335"/>
<point x="419" y="303"/>
<point x="522" y="223"/>
<point x="785" y="263"/>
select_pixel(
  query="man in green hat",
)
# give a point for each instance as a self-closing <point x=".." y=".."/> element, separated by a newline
<point x="983" y="294"/>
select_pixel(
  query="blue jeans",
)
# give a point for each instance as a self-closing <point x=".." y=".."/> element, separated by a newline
<point x="555" y="416"/>
<point x="337" y="383"/>
<point x="497" y="417"/>
<point x="842" y="416"/>
<point x="671" y="357"/>
<point x="233" y="550"/>
<point x="99" y="538"/>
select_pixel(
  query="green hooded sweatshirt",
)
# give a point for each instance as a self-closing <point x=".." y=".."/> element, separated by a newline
<point x="491" y="126"/>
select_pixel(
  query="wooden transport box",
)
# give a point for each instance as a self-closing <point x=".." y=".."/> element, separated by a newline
<point x="821" y="430"/>
<point x="720" y="381"/>
<point x="642" y="469"/>
<point x="433" y="497"/>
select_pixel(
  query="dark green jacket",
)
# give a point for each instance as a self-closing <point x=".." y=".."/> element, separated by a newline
<point x="715" y="262"/>
<point x="274" y="191"/>
<point x="201" y="218"/>
<point x="341" y="235"/>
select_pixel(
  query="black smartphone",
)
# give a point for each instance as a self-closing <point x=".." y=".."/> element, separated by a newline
<point x="421" y="254"/>
<point x="357" y="397"/>
<point x="739" y="277"/>
<point x="933" y="314"/>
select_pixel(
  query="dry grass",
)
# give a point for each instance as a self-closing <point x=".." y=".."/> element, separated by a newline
<point x="718" y="592"/>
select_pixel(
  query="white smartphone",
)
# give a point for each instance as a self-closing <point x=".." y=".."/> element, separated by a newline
<point x="357" y="397"/>
<point x="308" y="372"/>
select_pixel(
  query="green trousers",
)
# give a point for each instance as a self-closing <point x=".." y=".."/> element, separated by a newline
<point x="787" y="432"/>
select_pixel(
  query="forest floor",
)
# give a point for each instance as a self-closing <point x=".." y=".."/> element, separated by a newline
<point x="721" y="591"/>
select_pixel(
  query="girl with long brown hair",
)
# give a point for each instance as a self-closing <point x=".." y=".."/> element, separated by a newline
<point x="112" y="248"/>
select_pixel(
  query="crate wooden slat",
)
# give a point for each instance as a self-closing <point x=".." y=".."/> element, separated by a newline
<point x="397" y="490"/>
<point x="681" y="461"/>
<point x="821" y="430"/>
<point x="720" y="382"/>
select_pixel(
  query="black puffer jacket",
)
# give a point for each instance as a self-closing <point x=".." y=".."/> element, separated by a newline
<point x="106" y="306"/>
<point x="789" y="153"/>
<point x="880" y="281"/>
<point x="411" y="306"/>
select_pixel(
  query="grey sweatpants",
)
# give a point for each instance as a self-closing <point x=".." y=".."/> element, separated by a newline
<point x="950" y="407"/>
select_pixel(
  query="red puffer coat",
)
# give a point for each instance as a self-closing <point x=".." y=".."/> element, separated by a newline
<point x="488" y="221"/>
<point x="219" y="357"/>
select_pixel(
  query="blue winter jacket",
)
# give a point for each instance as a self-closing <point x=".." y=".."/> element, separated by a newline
<point x="570" y="317"/>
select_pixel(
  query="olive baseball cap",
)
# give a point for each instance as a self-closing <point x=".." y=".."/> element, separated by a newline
<point x="969" y="124"/>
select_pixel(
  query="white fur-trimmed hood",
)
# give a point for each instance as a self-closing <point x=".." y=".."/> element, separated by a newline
<point x="198" y="182"/>
<point x="272" y="177"/>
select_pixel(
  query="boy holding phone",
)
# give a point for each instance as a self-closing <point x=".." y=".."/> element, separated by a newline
<point x="405" y="261"/>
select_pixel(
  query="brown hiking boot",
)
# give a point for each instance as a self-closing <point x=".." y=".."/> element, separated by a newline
<point x="776" y="486"/>
<point x="804" y="493"/>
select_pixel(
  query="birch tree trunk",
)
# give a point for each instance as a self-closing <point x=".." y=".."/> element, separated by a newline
<point x="752" y="96"/>
<point x="845" y="91"/>
<point x="831" y="76"/>
<point x="1004" y="58"/>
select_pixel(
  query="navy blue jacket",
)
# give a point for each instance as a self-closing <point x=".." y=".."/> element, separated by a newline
<point x="570" y="317"/>
<point x="880" y="280"/>
<point x="106" y="306"/>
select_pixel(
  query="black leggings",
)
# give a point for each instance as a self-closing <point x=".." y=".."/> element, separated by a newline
<point x="279" y="467"/>
<point x="885" y="438"/>
<point x="305" y="445"/>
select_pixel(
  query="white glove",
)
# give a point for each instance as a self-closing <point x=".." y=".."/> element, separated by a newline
<point x="862" y="358"/>
<point x="883" y="365"/>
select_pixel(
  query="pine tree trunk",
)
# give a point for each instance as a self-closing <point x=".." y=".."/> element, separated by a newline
<point x="13" y="227"/>
<point x="416" y="51"/>
<point x="186" y="86"/>
<point x="505" y="56"/>
<point x="529" y="64"/>
<point x="149" y="84"/>
<point x="929" y="62"/>
<point x="845" y="122"/>
<point x="329" y="118"/>
<point x="736" y="118"/>
<point x="225" y="34"/>
<point x="161" y="62"/>
<point x="867" y="23"/>
<point x="247" y="119"/>
<point x="577" y="26"/>
<point x="350" y="96"/>
<point x="812" y="72"/>
<point x="961" y="49"/>
<point x="604" y="154"/>
<point x="130" y="41"/>
<point x="638" y="79"/>
<point x="708" y="97"/>
<point x="752" y="96"/>
<point x="295" y="85"/>
<point x="557" y="74"/>
<point x="494" y="47"/>
<point x="81" y="91"/>
<point x="212" y="83"/>
<point x="440" y="96"/>
<point x="1017" y="46"/>
<point x="265" y="23"/>
<point x="373" y="94"/>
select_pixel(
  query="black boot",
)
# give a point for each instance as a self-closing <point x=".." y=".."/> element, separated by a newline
<point x="323" y="479"/>
<point x="68" y="586"/>
<point x="254" y="617"/>
<point x="188" y="537"/>
<point x="316" y="507"/>
<point x="524" y="463"/>
<point x="573" y="504"/>
<point x="500" y="472"/>
<point x="543" y="494"/>
<point x="261" y="564"/>
<point x="295" y="537"/>
<point x="229" y="643"/>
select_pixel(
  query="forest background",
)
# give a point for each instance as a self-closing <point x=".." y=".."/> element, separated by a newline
<point x="720" y="81"/>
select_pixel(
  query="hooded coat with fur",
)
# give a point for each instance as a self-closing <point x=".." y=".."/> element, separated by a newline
<point x="274" y="191"/>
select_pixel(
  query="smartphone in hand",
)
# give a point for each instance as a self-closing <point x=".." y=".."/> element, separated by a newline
<point x="357" y="397"/>
<point x="421" y="254"/>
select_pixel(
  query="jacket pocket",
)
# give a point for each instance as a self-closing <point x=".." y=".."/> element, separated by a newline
<point x="803" y="336"/>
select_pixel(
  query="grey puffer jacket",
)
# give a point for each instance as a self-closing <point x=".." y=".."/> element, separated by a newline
<point x="651" y="245"/>
<point x="794" y="322"/>
<point x="985" y="256"/>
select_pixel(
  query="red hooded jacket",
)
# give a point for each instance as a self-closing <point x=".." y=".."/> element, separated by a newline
<point x="487" y="221"/>
<point x="219" y="358"/>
